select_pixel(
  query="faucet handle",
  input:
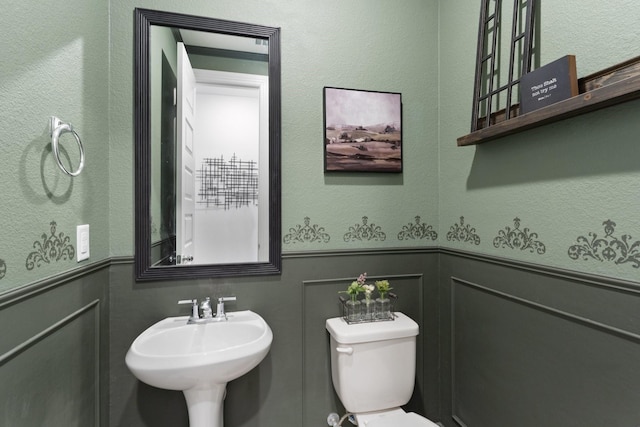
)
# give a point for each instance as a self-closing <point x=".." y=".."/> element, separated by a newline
<point x="220" y="312"/>
<point x="194" y="307"/>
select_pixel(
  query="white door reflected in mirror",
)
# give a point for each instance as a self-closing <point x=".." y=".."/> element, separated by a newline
<point x="232" y="175"/>
<point x="185" y="159"/>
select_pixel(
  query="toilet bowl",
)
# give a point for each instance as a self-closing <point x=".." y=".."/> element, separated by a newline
<point x="373" y="370"/>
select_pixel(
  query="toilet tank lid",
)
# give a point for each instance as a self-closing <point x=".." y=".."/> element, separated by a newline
<point x="344" y="333"/>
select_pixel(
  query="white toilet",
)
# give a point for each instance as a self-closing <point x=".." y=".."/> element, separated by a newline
<point x="373" y="368"/>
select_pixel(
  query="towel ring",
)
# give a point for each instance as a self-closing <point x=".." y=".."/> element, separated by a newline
<point x="58" y="127"/>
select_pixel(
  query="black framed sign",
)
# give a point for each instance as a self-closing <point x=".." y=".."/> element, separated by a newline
<point x="362" y="131"/>
<point x="549" y="84"/>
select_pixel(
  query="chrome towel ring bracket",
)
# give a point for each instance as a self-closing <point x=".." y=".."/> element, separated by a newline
<point x="58" y="127"/>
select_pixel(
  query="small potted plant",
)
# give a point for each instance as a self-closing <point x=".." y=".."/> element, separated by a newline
<point x="368" y="306"/>
<point x="383" y="304"/>
<point x="353" y="311"/>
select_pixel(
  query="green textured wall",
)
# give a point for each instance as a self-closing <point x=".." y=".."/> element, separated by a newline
<point x="361" y="45"/>
<point x="562" y="181"/>
<point x="55" y="61"/>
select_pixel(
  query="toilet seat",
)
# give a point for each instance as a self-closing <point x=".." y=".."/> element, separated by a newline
<point x="409" y="419"/>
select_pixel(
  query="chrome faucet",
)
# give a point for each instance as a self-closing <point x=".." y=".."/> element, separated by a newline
<point x="221" y="316"/>
<point x="207" y="312"/>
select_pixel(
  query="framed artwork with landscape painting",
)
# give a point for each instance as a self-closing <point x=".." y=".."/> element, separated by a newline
<point x="362" y="131"/>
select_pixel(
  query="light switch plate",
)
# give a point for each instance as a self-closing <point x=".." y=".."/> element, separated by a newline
<point x="82" y="242"/>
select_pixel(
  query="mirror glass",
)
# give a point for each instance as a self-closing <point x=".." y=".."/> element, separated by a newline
<point x="207" y="147"/>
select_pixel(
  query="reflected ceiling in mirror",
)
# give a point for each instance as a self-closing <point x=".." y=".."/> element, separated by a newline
<point x="207" y="147"/>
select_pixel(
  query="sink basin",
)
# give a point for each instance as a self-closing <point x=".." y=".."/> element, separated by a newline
<point x="200" y="359"/>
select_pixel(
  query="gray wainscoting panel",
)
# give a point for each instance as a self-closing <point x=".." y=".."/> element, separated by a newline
<point x="502" y="343"/>
<point x="292" y="386"/>
<point x="53" y="354"/>
<point x="531" y="347"/>
<point x="53" y="377"/>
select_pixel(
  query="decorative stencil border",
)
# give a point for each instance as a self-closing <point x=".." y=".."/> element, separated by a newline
<point x="463" y="233"/>
<point x="306" y="233"/>
<point x="53" y="247"/>
<point x="417" y="230"/>
<point x="364" y="231"/>
<point x="519" y="239"/>
<point x="608" y="248"/>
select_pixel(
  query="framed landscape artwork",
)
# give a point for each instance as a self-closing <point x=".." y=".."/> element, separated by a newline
<point x="362" y="131"/>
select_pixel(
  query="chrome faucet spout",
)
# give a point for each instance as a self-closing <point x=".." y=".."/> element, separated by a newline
<point x="205" y="306"/>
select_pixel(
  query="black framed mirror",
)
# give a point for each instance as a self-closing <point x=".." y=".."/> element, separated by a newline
<point x="212" y="208"/>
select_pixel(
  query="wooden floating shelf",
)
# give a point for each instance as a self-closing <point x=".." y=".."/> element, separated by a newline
<point x="615" y="85"/>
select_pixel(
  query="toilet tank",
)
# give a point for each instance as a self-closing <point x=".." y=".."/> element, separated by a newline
<point x="373" y="365"/>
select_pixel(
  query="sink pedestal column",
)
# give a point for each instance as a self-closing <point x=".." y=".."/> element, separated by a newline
<point x="205" y="404"/>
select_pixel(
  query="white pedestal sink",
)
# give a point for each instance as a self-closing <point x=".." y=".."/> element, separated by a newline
<point x="200" y="359"/>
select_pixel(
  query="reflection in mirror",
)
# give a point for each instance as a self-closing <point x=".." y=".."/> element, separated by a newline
<point x="207" y="139"/>
<point x="207" y="147"/>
